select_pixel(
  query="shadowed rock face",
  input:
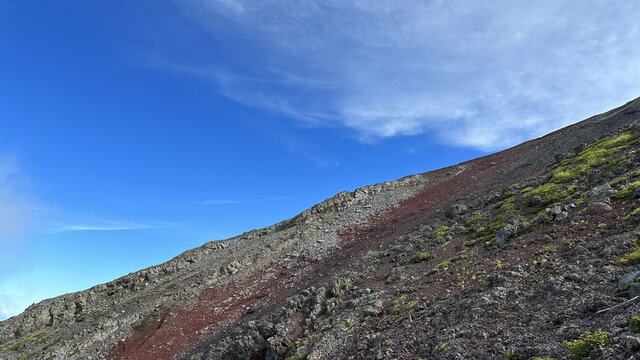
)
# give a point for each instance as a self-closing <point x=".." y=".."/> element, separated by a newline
<point x="511" y="254"/>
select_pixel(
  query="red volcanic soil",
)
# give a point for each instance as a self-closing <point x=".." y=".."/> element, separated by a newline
<point x="215" y="310"/>
<point x="443" y="193"/>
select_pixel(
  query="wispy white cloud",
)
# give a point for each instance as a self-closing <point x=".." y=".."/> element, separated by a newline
<point x="22" y="213"/>
<point x="58" y="226"/>
<point x="483" y="74"/>
<point x="227" y="202"/>
<point x="218" y="202"/>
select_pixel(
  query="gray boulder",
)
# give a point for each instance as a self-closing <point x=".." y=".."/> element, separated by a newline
<point x="628" y="279"/>
<point x="557" y="212"/>
<point x="514" y="228"/>
<point x="601" y="194"/>
<point x="595" y="208"/>
<point x="456" y="210"/>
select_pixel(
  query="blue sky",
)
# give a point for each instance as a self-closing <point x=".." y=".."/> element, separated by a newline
<point x="133" y="130"/>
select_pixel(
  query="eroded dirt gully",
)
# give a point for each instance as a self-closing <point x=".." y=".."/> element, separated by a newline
<point x="241" y="299"/>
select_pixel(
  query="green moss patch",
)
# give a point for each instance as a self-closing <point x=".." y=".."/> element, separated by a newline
<point x="299" y="356"/>
<point x="420" y="257"/>
<point x="442" y="232"/>
<point x="581" y="347"/>
<point x="550" y="193"/>
<point x="401" y="305"/>
<point x="548" y="250"/>
<point x="626" y="192"/>
<point x="474" y="223"/>
<point x="445" y="264"/>
<point x="634" y="322"/>
<point x="488" y="233"/>
<point x="632" y="257"/>
<point x="593" y="156"/>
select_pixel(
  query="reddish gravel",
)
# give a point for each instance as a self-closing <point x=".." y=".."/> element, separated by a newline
<point x="212" y="312"/>
<point x="445" y="191"/>
<point x="215" y="310"/>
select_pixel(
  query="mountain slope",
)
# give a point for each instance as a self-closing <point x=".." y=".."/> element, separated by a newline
<point x="508" y="255"/>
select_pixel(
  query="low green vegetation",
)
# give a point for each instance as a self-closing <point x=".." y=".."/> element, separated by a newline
<point x="593" y="156"/>
<point x="628" y="286"/>
<point x="488" y="233"/>
<point x="441" y="232"/>
<point x="21" y="344"/>
<point x="550" y="193"/>
<point x="526" y="190"/>
<point x="510" y="354"/>
<point x="299" y="356"/>
<point x="445" y="264"/>
<point x="632" y="257"/>
<point x="53" y="343"/>
<point x="634" y="322"/>
<point x="99" y="315"/>
<point x="507" y="202"/>
<point x="4" y="347"/>
<point x="420" y="257"/>
<point x="617" y="162"/>
<point x="27" y="356"/>
<point x="635" y="211"/>
<point x="401" y="305"/>
<point x="626" y="192"/>
<point x="618" y="181"/>
<point x="550" y="249"/>
<point x="557" y="190"/>
<point x="443" y="346"/>
<point x="473" y="223"/>
<point x="581" y="347"/>
<point x="470" y="242"/>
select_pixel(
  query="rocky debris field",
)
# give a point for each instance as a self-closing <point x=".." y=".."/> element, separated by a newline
<point x="530" y="253"/>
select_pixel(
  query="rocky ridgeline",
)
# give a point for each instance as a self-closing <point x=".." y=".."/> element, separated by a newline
<point x="528" y="253"/>
<point x="80" y="322"/>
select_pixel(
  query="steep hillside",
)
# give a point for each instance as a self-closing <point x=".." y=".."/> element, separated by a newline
<point x="532" y="252"/>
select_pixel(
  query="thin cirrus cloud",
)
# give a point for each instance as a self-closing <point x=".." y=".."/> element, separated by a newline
<point x="21" y="212"/>
<point x="229" y="202"/>
<point x="482" y="74"/>
<point x="218" y="202"/>
<point x="57" y="226"/>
